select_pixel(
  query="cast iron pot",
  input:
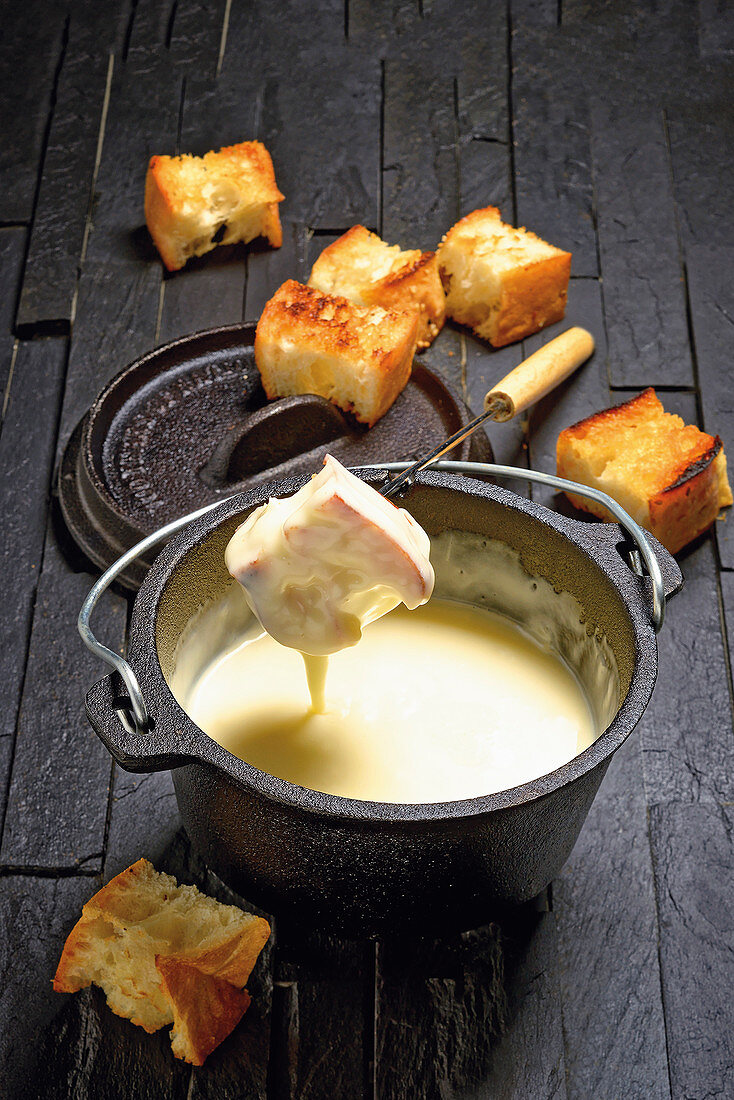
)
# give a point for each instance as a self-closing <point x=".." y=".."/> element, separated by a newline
<point x="363" y="867"/>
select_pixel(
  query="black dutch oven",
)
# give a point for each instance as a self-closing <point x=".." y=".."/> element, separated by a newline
<point x="364" y="867"/>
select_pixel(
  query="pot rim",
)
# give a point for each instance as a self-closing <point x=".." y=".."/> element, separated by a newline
<point x="197" y="747"/>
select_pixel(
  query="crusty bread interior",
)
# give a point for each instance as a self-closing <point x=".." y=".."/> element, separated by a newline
<point x="670" y="477"/>
<point x="192" y="204"/>
<point x="504" y="283"/>
<point x="142" y="916"/>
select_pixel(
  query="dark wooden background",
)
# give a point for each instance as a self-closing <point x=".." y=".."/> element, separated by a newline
<point x="606" y="127"/>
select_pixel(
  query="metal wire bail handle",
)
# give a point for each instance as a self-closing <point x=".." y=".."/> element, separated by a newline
<point x="139" y="720"/>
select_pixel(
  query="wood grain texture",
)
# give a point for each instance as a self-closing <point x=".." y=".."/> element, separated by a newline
<point x="36" y="915"/>
<point x="710" y="278"/>
<point x="483" y="117"/>
<point x="551" y="133"/>
<point x="12" y="254"/>
<point x="420" y="172"/>
<point x="325" y="1016"/>
<point x="644" y="302"/>
<point x="26" y="458"/>
<point x="604" y="907"/>
<point x="31" y="50"/>
<point x="692" y="848"/>
<point x="476" y="1015"/>
<point x="51" y="271"/>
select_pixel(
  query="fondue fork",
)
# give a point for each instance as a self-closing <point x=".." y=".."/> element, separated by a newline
<point x="536" y="376"/>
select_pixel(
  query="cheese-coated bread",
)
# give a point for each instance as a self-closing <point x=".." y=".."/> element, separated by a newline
<point x="502" y="282"/>
<point x="192" y="204"/>
<point x="165" y="954"/>
<point x="360" y="358"/>
<point x="364" y="268"/>
<point x="669" y="476"/>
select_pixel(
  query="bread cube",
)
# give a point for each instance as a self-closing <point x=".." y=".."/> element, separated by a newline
<point x="165" y="954"/>
<point x="358" y="357"/>
<point x="364" y="268"/>
<point x="502" y="282"/>
<point x="669" y="476"/>
<point x="192" y="204"/>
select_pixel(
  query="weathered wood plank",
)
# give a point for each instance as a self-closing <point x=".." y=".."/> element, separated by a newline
<point x="26" y="458"/>
<point x="141" y="89"/>
<point x="644" y="301"/>
<point x="267" y="267"/>
<point x="474" y="1015"/>
<point x="686" y="732"/>
<point x="31" y="50"/>
<point x="710" y="271"/>
<point x="12" y="252"/>
<point x="50" y="823"/>
<point x="325" y="1015"/>
<point x="51" y="270"/>
<point x="604" y="906"/>
<point x="334" y="189"/>
<point x="420" y="172"/>
<point x="36" y="915"/>
<point x="208" y="292"/>
<point x="552" y="145"/>
<point x="694" y="864"/>
<point x="195" y="34"/>
<point x="382" y="26"/>
<point x="483" y="111"/>
<point x="701" y="137"/>
<point x="584" y="393"/>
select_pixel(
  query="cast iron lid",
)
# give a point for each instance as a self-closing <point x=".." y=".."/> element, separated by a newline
<point x="189" y="424"/>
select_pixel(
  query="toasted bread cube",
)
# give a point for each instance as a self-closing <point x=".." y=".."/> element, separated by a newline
<point x="504" y="283"/>
<point x="359" y="358"/>
<point x="364" y="268"/>
<point x="143" y="938"/>
<point x="192" y="204"/>
<point x="670" y="477"/>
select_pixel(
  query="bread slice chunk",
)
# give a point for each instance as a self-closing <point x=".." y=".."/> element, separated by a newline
<point x="192" y="204"/>
<point x="139" y="920"/>
<point x="502" y="282"/>
<point x="205" y="1009"/>
<point x="670" y="477"/>
<point x="364" y="268"/>
<point x="360" y="358"/>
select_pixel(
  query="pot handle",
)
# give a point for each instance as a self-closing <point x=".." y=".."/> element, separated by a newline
<point x="138" y="717"/>
<point x="643" y="559"/>
<point x="109" y="712"/>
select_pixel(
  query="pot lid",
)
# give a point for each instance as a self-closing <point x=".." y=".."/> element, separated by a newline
<point x="189" y="424"/>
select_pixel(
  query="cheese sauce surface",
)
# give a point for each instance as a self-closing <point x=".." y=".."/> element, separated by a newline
<point x="441" y="703"/>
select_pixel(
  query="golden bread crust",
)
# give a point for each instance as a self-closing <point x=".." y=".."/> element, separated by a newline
<point x="191" y="201"/>
<point x="669" y="476"/>
<point x="504" y="283"/>
<point x="360" y="358"/>
<point x="360" y="266"/>
<point x="205" y="1009"/>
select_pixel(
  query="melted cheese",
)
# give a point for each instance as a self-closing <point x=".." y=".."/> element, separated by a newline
<point x="321" y="565"/>
<point x="444" y="703"/>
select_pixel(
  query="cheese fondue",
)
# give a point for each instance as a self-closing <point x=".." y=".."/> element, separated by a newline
<point x="445" y="702"/>
<point x="320" y="565"/>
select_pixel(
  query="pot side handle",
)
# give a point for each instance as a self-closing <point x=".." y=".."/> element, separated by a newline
<point x="109" y="712"/>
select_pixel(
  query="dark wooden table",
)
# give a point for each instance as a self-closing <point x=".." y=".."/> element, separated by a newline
<point x="606" y="127"/>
